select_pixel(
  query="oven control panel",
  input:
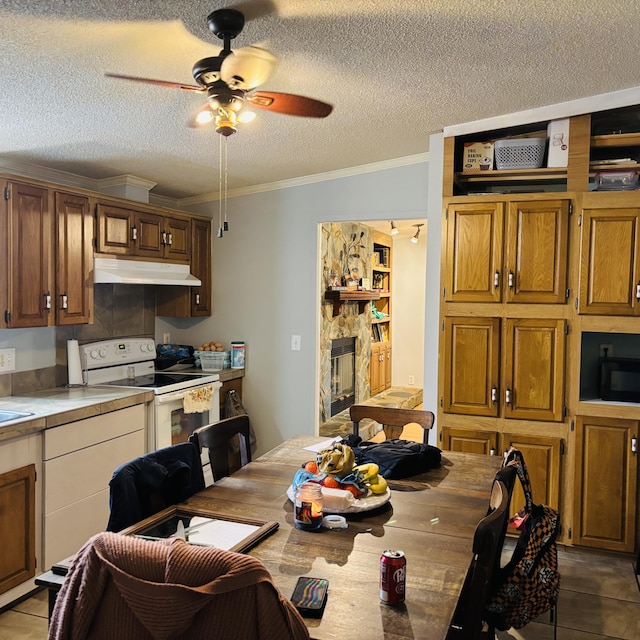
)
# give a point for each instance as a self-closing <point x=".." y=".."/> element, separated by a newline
<point x="120" y="351"/>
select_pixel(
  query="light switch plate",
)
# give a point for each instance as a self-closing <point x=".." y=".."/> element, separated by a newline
<point x="295" y="343"/>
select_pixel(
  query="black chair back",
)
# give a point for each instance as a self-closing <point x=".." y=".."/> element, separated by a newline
<point x="216" y="436"/>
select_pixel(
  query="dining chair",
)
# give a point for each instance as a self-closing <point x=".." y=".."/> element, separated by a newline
<point x="147" y="484"/>
<point x="469" y="619"/>
<point x="216" y="436"/>
<point x="170" y="589"/>
<point x="393" y="420"/>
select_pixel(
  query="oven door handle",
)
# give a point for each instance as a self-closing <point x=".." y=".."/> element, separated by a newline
<point x="165" y="398"/>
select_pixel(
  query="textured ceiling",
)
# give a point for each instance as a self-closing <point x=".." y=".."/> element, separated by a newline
<point x="395" y="71"/>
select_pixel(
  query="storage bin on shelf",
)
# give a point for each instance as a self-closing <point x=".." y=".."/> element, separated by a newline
<point x="519" y="153"/>
<point x="213" y="360"/>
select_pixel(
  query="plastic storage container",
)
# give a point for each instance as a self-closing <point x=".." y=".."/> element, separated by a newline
<point x="213" y="360"/>
<point x="617" y="181"/>
<point x="237" y="355"/>
<point x="519" y="153"/>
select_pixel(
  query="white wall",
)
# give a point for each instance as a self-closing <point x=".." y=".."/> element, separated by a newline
<point x="265" y="286"/>
<point x="407" y="311"/>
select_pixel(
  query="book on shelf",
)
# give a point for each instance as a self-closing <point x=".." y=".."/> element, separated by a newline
<point x="384" y="332"/>
<point x="376" y="334"/>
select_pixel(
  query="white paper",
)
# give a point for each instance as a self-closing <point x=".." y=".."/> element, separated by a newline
<point x="221" y="534"/>
<point x="325" y="444"/>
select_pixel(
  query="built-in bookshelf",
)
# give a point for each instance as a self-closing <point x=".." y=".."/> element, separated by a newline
<point x="380" y="368"/>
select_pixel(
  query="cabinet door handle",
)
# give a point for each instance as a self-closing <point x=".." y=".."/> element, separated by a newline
<point x="638" y="291"/>
<point x="197" y="298"/>
<point x="170" y="239"/>
<point x="496" y="279"/>
<point x="134" y="233"/>
<point x="164" y="237"/>
<point x="494" y="394"/>
<point x="64" y="301"/>
<point x="511" y="280"/>
<point x="634" y="445"/>
<point x="47" y="301"/>
<point x="507" y="396"/>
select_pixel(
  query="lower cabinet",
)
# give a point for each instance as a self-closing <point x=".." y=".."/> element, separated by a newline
<point x="79" y="460"/>
<point x="17" y="526"/>
<point x="605" y="483"/>
<point x="20" y="516"/>
<point x="380" y="367"/>
<point x="542" y="455"/>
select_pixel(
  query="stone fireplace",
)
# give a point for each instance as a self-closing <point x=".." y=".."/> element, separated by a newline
<point x="346" y="249"/>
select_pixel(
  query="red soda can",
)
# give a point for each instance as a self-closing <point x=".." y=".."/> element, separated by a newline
<point x="393" y="566"/>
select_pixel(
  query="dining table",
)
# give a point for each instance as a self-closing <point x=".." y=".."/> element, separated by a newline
<point x="431" y="517"/>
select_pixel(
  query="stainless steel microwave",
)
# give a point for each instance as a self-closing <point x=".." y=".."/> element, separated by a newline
<point x="620" y="379"/>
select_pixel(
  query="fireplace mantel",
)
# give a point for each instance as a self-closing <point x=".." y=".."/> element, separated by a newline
<point x="340" y="297"/>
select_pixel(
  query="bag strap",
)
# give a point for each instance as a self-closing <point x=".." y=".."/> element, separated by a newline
<point x="514" y="458"/>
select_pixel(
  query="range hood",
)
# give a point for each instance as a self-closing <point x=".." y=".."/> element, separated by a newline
<point x="135" y="272"/>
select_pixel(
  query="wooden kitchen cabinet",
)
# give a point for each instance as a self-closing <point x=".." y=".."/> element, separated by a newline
<point x="610" y="261"/>
<point x="471" y="365"/>
<point x="131" y="232"/>
<point x="526" y="263"/>
<point x="74" y="259"/>
<point x="28" y="255"/>
<point x="469" y="440"/>
<point x="191" y="302"/>
<point x="605" y="483"/>
<point x="543" y="458"/>
<point x="17" y="527"/>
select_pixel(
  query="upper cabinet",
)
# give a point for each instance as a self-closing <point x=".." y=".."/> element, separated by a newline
<point x="191" y="302"/>
<point x="610" y="262"/>
<point x="527" y="263"/>
<point x="29" y="247"/>
<point x="74" y="259"/>
<point x="136" y="233"/>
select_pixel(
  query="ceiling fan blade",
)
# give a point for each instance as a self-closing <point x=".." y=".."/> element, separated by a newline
<point x="290" y="104"/>
<point x="247" y="68"/>
<point x="161" y="83"/>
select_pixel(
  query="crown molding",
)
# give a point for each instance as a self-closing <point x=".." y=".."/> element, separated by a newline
<point x="46" y="174"/>
<point x="318" y="177"/>
<point x="125" y="179"/>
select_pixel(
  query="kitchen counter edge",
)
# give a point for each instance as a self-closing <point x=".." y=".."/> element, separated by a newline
<point x="55" y="407"/>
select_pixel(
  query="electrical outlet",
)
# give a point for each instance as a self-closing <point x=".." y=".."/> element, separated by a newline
<point x="606" y="350"/>
<point x="412" y="380"/>
<point x="7" y="360"/>
<point x="166" y="338"/>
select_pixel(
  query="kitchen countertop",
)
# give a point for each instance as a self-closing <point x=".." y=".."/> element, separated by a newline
<point x="61" y="405"/>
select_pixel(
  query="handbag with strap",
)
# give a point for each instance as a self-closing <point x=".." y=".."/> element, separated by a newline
<point x="529" y="583"/>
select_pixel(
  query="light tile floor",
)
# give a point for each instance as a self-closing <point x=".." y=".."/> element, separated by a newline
<point x="599" y="600"/>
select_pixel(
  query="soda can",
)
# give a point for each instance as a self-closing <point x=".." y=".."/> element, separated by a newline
<point x="393" y="566"/>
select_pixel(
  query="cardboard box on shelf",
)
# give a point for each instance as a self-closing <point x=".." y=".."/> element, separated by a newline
<point x="558" y="134"/>
<point x="477" y="156"/>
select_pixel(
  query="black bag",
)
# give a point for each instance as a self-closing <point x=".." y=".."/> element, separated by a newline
<point x="396" y="458"/>
<point x="528" y="585"/>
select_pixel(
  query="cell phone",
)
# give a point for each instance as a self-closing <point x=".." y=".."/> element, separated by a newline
<point x="310" y="596"/>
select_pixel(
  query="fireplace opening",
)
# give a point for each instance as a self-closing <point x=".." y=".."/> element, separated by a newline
<point x="343" y="374"/>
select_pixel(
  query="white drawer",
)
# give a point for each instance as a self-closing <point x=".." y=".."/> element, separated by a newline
<point x="85" y="433"/>
<point x="78" y="475"/>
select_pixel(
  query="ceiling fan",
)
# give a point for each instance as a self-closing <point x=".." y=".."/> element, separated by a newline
<point x="229" y="81"/>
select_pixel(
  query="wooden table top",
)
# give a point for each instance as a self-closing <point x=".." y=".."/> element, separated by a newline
<point x="431" y="517"/>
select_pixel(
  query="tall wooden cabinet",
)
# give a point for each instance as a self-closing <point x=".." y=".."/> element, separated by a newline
<point x="529" y="282"/>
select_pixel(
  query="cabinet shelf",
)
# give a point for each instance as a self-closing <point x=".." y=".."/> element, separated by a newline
<point x="380" y="320"/>
<point x="616" y="140"/>
<point x="512" y="175"/>
<point x="340" y="297"/>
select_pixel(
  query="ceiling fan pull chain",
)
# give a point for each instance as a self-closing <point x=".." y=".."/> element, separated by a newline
<point x="220" y="188"/>
<point x="226" y="175"/>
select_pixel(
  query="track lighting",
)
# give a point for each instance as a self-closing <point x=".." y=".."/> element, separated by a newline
<point x="394" y="229"/>
<point x="414" y="239"/>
